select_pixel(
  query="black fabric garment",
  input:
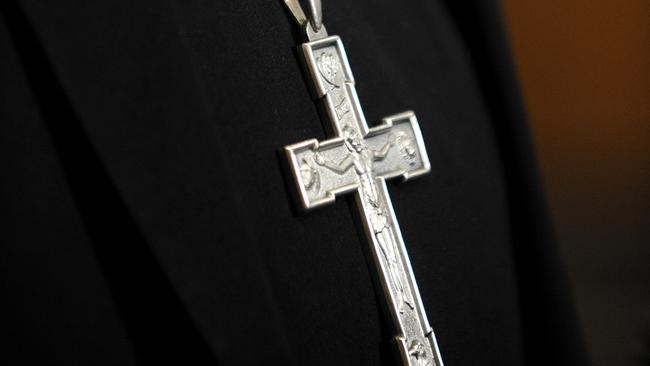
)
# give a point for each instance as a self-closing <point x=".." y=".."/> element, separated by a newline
<point x="146" y="218"/>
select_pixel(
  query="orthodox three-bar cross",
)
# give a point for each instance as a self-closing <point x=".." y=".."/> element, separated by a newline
<point x="360" y="159"/>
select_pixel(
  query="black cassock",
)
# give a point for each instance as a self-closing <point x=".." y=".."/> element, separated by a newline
<point x="146" y="218"/>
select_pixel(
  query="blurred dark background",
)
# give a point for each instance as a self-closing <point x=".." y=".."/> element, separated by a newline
<point x="584" y="67"/>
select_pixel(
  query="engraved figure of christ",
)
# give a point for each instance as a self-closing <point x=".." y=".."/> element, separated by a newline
<point x="362" y="159"/>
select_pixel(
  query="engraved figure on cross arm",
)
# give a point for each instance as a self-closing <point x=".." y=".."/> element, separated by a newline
<point x="310" y="176"/>
<point x="408" y="149"/>
<point x="362" y="158"/>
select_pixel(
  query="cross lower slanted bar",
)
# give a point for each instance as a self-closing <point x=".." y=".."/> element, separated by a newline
<point x="360" y="159"/>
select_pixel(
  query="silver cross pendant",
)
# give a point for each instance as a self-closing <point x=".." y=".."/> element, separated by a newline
<point x="360" y="159"/>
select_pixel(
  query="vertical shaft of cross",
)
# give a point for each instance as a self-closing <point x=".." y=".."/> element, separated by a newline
<point x="360" y="159"/>
<point x="414" y="337"/>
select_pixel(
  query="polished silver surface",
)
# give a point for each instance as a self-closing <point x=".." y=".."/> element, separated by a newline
<point x="297" y="12"/>
<point x="360" y="159"/>
<point x="312" y="27"/>
<point x="316" y="12"/>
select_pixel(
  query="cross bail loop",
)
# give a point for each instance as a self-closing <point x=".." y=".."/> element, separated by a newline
<point x="312" y="26"/>
<point x="316" y="19"/>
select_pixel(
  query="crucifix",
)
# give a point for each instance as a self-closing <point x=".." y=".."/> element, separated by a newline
<point x="359" y="159"/>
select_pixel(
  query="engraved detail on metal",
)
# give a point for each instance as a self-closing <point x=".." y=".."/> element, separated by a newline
<point x="342" y="108"/>
<point x="360" y="159"/>
<point x="310" y="176"/>
<point x="419" y="354"/>
<point x="329" y="68"/>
